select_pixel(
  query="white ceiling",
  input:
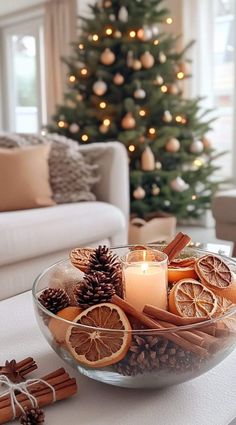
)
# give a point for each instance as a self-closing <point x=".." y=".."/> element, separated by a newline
<point x="11" y="6"/>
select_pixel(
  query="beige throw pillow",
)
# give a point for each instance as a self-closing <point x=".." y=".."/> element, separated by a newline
<point x="24" y="178"/>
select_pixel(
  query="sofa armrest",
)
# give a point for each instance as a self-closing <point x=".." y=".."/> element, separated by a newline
<point x="113" y="186"/>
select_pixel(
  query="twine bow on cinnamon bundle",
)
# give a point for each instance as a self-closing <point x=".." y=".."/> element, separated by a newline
<point x="34" y="393"/>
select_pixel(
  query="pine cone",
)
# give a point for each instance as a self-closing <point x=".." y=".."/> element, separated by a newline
<point x="54" y="299"/>
<point x="103" y="260"/>
<point x="32" y="416"/>
<point x="148" y="353"/>
<point x="96" y="288"/>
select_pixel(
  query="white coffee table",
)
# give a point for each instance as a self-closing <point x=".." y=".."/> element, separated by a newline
<point x="208" y="400"/>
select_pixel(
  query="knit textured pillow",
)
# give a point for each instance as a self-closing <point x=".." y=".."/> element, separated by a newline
<point x="71" y="176"/>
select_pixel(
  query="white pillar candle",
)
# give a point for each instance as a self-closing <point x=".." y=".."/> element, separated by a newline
<point x="146" y="281"/>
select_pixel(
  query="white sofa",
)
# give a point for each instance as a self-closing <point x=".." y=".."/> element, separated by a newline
<point x="31" y="240"/>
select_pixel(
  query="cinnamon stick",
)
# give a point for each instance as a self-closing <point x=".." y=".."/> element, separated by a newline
<point x="175" y="247"/>
<point x="160" y="314"/>
<point x="151" y="324"/>
<point x="16" y="371"/>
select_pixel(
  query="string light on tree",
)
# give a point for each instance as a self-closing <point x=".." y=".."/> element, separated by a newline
<point x="198" y="162"/>
<point x="109" y="31"/>
<point x="156" y="42"/>
<point x="61" y="124"/>
<point x="142" y="113"/>
<point x="84" y="72"/>
<point x="180" y="75"/>
<point x="95" y="37"/>
<point x="131" y="148"/>
<point x="152" y="131"/>
<point x="164" y="88"/>
<point x="72" y="78"/>
<point x="169" y="21"/>
<point x="81" y="46"/>
<point x="178" y="119"/>
<point x="132" y="34"/>
<point x="84" y="137"/>
<point x="102" y="105"/>
<point x="106" y="122"/>
<point x="194" y="197"/>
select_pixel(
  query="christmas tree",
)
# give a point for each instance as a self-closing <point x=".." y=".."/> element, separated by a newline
<point x="125" y="83"/>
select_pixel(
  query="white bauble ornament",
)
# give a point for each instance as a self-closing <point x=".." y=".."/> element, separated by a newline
<point x="159" y="80"/>
<point x="74" y="128"/>
<point x="179" y="185"/>
<point x="167" y="203"/>
<point x="147" y="160"/>
<point x="155" y="190"/>
<point x="137" y="65"/>
<point x="162" y="57"/>
<point x="196" y="146"/>
<point x="139" y="94"/>
<point x="100" y="88"/>
<point x="139" y="193"/>
<point x="107" y="57"/>
<point x="123" y="14"/>
<point x="167" y="117"/>
<point x="190" y="208"/>
<point x="155" y="30"/>
<point x="173" y="145"/>
<point x="147" y="60"/>
<point x="118" y="79"/>
<point x="112" y="18"/>
<point x="103" y="129"/>
<point x="117" y="34"/>
<point x="128" y="122"/>
<point x="147" y="34"/>
<point x="158" y="165"/>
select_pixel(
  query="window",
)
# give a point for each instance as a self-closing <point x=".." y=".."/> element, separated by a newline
<point x="224" y="81"/>
<point x="24" y="76"/>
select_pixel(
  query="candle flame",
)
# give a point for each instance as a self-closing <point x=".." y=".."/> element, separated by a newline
<point x="144" y="268"/>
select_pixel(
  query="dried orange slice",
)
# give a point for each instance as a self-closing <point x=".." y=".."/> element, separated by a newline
<point x="98" y="348"/>
<point x="58" y="328"/>
<point x="79" y="257"/>
<point x="223" y="306"/>
<point x="214" y="272"/>
<point x="182" y="268"/>
<point x="190" y="298"/>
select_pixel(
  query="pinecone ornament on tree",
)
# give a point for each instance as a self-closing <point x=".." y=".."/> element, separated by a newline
<point x="103" y="260"/>
<point x="32" y="416"/>
<point x="96" y="288"/>
<point x="54" y="299"/>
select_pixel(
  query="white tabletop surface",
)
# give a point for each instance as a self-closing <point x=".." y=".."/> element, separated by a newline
<point x="207" y="400"/>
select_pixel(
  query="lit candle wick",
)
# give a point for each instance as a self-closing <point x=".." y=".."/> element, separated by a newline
<point x="144" y="268"/>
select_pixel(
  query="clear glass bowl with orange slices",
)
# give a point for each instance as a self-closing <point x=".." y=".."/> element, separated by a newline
<point x="87" y="321"/>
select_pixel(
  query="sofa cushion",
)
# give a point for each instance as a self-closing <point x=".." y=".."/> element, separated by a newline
<point x="72" y="176"/>
<point x="224" y="206"/>
<point x="30" y="233"/>
<point x="24" y="178"/>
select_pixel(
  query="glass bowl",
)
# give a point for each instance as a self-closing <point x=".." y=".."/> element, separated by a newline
<point x="155" y="358"/>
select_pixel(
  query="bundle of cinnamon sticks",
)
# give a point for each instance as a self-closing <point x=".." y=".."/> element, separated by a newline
<point x="63" y="385"/>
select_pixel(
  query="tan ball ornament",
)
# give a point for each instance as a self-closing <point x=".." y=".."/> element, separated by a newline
<point x="107" y="57"/>
<point x="147" y="160"/>
<point x="173" y="145"/>
<point x="147" y="60"/>
<point x="139" y="193"/>
<point x="139" y="94"/>
<point x="118" y="79"/>
<point x="117" y="34"/>
<point x="137" y="65"/>
<point x="103" y="129"/>
<point x="162" y="57"/>
<point x="167" y="117"/>
<point x="155" y="190"/>
<point x="74" y="128"/>
<point x="99" y="88"/>
<point x="159" y="80"/>
<point x="128" y="122"/>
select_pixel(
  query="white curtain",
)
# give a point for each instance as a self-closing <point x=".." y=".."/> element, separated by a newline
<point x="59" y="32"/>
